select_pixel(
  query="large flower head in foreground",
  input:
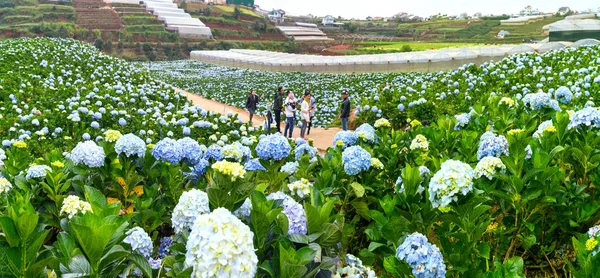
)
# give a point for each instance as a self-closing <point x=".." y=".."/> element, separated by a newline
<point x="220" y="245"/>
<point x="169" y="150"/>
<point x="273" y="147"/>
<point x="89" y="154"/>
<point x="355" y="160"/>
<point x="294" y="212"/>
<point x="191" y="151"/>
<point x="72" y="205"/>
<point x="453" y="178"/>
<point x="488" y="166"/>
<point x="348" y="138"/>
<point x="140" y="242"/>
<point x="191" y="204"/>
<point x="492" y="145"/>
<point x="423" y="257"/>
<point x="231" y="169"/>
<point x="587" y="117"/>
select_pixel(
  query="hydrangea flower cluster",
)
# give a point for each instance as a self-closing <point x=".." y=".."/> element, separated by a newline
<point x="382" y="123"/>
<point x="544" y="126"/>
<point x="294" y="212"/>
<point x="587" y="117"/>
<point x="72" y="205"/>
<point x="89" y="154"/>
<point x="232" y="169"/>
<point x="167" y="149"/>
<point x="492" y="145"/>
<point x="424" y="258"/>
<point x="305" y="149"/>
<point x="140" y="242"/>
<point x="419" y="143"/>
<point x="233" y="152"/>
<point x="528" y="152"/>
<point x="130" y="145"/>
<point x="454" y="177"/>
<point x="376" y="163"/>
<point x="592" y="243"/>
<point x="290" y="167"/>
<point x="244" y="210"/>
<point x="254" y="165"/>
<point x="5" y="185"/>
<point x="355" y="160"/>
<point x="366" y="132"/>
<point x="539" y="101"/>
<point x="275" y="147"/>
<point x="191" y="204"/>
<point x="163" y="247"/>
<point x="563" y="95"/>
<point x="488" y="166"/>
<point x="462" y="120"/>
<point x="191" y="151"/>
<point x="200" y="167"/>
<point x="348" y="138"/>
<point x="354" y="268"/>
<point x="300" y="188"/>
<point x="507" y="101"/>
<point x="112" y="135"/>
<point x="37" y="171"/>
<point x="220" y="245"/>
<point x="213" y="152"/>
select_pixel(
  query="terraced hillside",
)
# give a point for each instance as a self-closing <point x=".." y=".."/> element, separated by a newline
<point x="96" y="14"/>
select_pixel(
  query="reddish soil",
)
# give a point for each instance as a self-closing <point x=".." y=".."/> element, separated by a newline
<point x="340" y="47"/>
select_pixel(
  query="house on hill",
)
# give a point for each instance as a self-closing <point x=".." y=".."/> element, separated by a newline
<point x="277" y="16"/>
<point x="564" y="11"/>
<point x="328" y="20"/>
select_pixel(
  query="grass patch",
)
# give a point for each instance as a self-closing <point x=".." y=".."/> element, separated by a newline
<point x="415" y="46"/>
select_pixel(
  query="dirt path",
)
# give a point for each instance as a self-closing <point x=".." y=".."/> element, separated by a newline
<point x="323" y="138"/>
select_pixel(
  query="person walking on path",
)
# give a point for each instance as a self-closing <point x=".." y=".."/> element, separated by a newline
<point x="251" y="103"/>
<point x="313" y="109"/>
<point x="290" y="113"/>
<point x="305" y="113"/>
<point x="345" y="113"/>
<point x="277" y="106"/>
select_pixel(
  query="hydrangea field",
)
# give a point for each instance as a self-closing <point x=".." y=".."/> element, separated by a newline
<point x="106" y="172"/>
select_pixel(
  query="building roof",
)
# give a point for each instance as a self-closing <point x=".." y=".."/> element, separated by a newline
<point x="564" y="9"/>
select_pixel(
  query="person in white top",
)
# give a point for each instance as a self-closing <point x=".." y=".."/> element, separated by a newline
<point x="290" y="113"/>
<point x="305" y="113"/>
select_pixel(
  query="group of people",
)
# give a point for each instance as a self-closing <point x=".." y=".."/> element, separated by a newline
<point x="289" y="106"/>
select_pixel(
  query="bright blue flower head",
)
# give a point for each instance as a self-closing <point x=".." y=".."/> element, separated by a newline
<point x="355" y="160"/>
<point x="367" y="132"/>
<point x="294" y="212"/>
<point x="168" y="149"/>
<point x="275" y="147"/>
<point x="491" y="145"/>
<point x="89" y="154"/>
<point x="349" y="138"/>
<point x="122" y="122"/>
<point x="424" y="258"/>
<point x="214" y="152"/>
<point x="140" y="242"/>
<point x="130" y="145"/>
<point x="254" y="165"/>
<point x="587" y="117"/>
<point x="563" y="95"/>
<point x="200" y="168"/>
<point x="191" y="150"/>
<point x="37" y="171"/>
<point x="305" y="149"/>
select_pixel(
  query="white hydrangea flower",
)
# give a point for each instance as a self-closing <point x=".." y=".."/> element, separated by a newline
<point x="420" y="142"/>
<point x="300" y="188"/>
<point x="140" y="242"/>
<point x="488" y="166"/>
<point x="191" y="204"/>
<point x="220" y="245"/>
<point x="73" y="205"/>
<point x="5" y="185"/>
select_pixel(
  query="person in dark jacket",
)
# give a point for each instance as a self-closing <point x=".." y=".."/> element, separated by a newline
<point x="277" y="106"/>
<point x="345" y="114"/>
<point x="251" y="103"/>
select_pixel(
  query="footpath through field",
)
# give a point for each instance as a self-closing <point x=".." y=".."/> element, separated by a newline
<point x="323" y="138"/>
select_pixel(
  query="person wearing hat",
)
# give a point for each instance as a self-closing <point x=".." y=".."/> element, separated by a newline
<point x="345" y="114"/>
<point x="305" y="113"/>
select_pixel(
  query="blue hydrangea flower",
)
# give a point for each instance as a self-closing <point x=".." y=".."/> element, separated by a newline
<point x="140" y="242"/>
<point x="367" y="132"/>
<point x="355" y="160"/>
<point x="588" y="116"/>
<point x="95" y="124"/>
<point x="305" y="149"/>
<point x="349" y="138"/>
<point x="254" y="165"/>
<point x="200" y="167"/>
<point x="299" y="141"/>
<point x="89" y="154"/>
<point x="122" y="122"/>
<point x="453" y="178"/>
<point x="131" y="145"/>
<point x="294" y="212"/>
<point x="86" y="136"/>
<point x="528" y="152"/>
<point x="192" y="152"/>
<point x="163" y="248"/>
<point x="37" y="171"/>
<point x="424" y="258"/>
<point x="491" y="145"/>
<point x="275" y="147"/>
<point x="154" y="263"/>
<point x="168" y="149"/>
<point x="214" y="152"/>
<point x="462" y="120"/>
<point x="563" y="95"/>
<point x="290" y="168"/>
<point x="540" y="100"/>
